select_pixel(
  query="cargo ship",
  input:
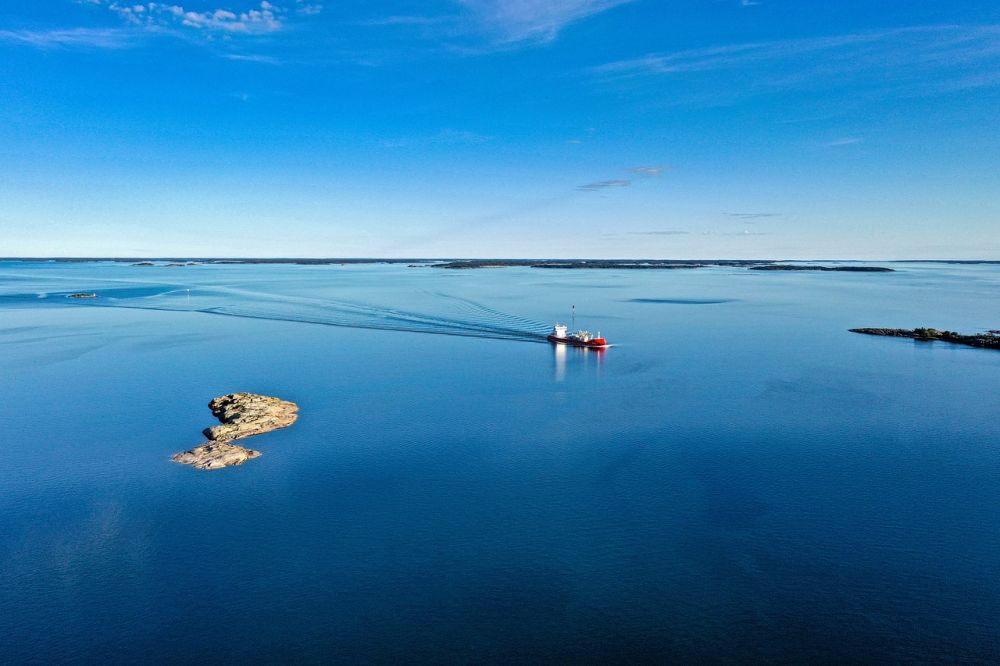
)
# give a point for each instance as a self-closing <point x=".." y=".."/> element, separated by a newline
<point x="561" y="336"/>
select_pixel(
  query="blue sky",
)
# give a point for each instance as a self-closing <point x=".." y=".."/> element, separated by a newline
<point x="569" y="128"/>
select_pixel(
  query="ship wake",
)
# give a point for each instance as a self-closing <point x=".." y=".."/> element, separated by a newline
<point x="457" y="316"/>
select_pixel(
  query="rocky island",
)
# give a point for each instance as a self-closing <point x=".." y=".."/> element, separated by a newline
<point x="241" y="415"/>
<point x="83" y="295"/>
<point x="988" y="340"/>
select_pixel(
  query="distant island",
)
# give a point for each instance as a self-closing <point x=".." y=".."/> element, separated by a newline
<point x="806" y="267"/>
<point x="471" y="263"/>
<point x="988" y="340"/>
<point x="594" y="263"/>
<point x="652" y="264"/>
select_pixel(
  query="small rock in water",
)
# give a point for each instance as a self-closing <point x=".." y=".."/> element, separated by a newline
<point x="242" y="415"/>
<point x="83" y="295"/>
<point x="216" y="455"/>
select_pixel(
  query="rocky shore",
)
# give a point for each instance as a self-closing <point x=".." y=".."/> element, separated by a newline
<point x="988" y="340"/>
<point x="241" y="415"/>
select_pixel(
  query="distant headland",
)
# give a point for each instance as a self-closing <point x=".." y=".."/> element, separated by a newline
<point x="464" y="264"/>
<point x="988" y="340"/>
<point x="654" y="264"/>
<point x="840" y="265"/>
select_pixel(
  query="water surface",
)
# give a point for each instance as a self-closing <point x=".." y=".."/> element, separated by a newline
<point x="739" y="478"/>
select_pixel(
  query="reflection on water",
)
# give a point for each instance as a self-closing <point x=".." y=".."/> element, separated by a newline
<point x="578" y="357"/>
<point x="560" y="356"/>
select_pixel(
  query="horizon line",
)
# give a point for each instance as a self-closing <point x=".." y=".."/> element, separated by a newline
<point x="279" y="260"/>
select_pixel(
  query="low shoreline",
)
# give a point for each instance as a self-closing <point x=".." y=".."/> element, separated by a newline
<point x="987" y="340"/>
<point x="473" y="262"/>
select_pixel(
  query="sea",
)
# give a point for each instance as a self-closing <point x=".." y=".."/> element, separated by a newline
<point x="739" y="479"/>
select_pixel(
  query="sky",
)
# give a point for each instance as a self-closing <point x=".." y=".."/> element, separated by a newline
<point x="761" y="129"/>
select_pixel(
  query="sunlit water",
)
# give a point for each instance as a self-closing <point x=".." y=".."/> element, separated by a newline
<point x="739" y="478"/>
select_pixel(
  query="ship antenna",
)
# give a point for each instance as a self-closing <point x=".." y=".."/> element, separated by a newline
<point x="574" y="318"/>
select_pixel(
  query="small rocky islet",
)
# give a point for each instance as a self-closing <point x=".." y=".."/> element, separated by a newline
<point x="987" y="340"/>
<point x="241" y="415"/>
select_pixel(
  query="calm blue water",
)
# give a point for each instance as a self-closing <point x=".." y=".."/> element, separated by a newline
<point x="739" y="479"/>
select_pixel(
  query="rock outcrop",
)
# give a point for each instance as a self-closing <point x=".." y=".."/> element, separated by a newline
<point x="246" y="414"/>
<point x="241" y="415"/>
<point x="83" y="295"/>
<point x="216" y="455"/>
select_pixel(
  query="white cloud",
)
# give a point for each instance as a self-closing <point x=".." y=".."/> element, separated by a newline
<point x="259" y="18"/>
<point x="308" y="8"/>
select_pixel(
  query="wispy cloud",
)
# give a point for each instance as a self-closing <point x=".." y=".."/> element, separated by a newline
<point x="516" y="21"/>
<point x="483" y="26"/>
<point x="251" y="57"/>
<point x="844" y="141"/>
<point x="100" y="38"/>
<point x="604" y="185"/>
<point x="920" y="56"/>
<point x="406" y="20"/>
<point x="444" y="137"/>
<point x="752" y="216"/>
<point x="736" y="55"/>
<point x="648" y="171"/>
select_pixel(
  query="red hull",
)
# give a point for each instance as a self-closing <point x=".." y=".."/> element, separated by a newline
<point x="597" y="343"/>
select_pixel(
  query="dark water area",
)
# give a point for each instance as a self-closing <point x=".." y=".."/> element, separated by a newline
<point x="739" y="481"/>
<point x="683" y="301"/>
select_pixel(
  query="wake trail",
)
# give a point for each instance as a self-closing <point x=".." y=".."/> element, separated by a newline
<point x="473" y="320"/>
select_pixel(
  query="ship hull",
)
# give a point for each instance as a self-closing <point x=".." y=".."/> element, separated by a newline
<point x="577" y="343"/>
